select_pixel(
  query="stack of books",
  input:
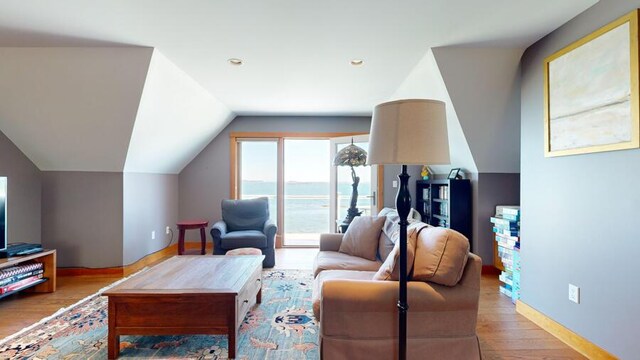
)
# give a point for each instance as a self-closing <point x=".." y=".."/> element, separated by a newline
<point x="506" y="230"/>
<point x="20" y="276"/>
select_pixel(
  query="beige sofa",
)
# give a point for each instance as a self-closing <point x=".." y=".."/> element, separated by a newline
<point x="359" y="318"/>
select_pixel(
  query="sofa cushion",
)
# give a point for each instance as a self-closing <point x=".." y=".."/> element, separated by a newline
<point x="390" y="269"/>
<point x="385" y="246"/>
<point x="391" y="228"/>
<point x="248" y="214"/>
<point x="333" y="260"/>
<point x="244" y="238"/>
<point x="361" y="238"/>
<point x="441" y="255"/>
<point x="316" y="296"/>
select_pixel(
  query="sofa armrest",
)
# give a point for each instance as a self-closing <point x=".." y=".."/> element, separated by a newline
<point x="330" y="242"/>
<point x="270" y="230"/>
<point x="368" y="309"/>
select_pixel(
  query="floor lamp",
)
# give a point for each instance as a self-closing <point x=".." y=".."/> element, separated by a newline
<point x="407" y="132"/>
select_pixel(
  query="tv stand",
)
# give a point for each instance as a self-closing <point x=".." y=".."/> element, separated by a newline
<point x="48" y="258"/>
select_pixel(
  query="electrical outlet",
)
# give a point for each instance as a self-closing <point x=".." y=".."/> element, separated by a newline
<point x="394" y="183"/>
<point x="574" y="293"/>
<point x="153" y="235"/>
<point x="168" y="230"/>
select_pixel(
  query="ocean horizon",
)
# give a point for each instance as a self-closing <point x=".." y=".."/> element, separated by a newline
<point x="307" y="203"/>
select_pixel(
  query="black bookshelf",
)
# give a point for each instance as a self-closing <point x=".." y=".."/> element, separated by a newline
<point x="445" y="203"/>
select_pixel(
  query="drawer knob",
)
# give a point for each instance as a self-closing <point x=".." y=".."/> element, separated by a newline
<point x="246" y="301"/>
<point x="258" y="280"/>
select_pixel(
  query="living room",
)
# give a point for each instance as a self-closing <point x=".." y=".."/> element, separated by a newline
<point x="119" y="121"/>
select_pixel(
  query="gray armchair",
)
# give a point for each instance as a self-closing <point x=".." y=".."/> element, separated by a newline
<point x="245" y="223"/>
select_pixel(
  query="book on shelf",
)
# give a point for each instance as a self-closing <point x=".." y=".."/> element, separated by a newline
<point x="506" y="290"/>
<point x="511" y="210"/>
<point x="507" y="237"/>
<point x="506" y="232"/>
<point x="19" y="277"/>
<point x="19" y="284"/>
<point x="506" y="226"/>
<point x="507" y="244"/>
<point x="506" y="277"/>
<point x="511" y="217"/>
<point x="425" y="194"/>
<point x="500" y="221"/>
<point x="19" y="269"/>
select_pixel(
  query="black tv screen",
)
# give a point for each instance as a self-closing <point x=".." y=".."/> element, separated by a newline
<point x="3" y="213"/>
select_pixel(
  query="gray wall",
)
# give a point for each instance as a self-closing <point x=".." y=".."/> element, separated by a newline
<point x="484" y="86"/>
<point x="580" y="214"/>
<point x="489" y="190"/>
<point x="24" y="193"/>
<point x="82" y="217"/>
<point x="150" y="204"/>
<point x="204" y="183"/>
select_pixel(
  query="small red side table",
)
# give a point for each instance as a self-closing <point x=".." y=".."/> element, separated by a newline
<point x="188" y="225"/>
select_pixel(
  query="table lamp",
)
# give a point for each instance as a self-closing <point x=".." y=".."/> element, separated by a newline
<point x="351" y="155"/>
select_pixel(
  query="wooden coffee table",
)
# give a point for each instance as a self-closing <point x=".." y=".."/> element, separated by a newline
<point x="186" y="295"/>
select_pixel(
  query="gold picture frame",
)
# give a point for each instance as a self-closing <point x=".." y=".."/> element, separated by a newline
<point x="591" y="95"/>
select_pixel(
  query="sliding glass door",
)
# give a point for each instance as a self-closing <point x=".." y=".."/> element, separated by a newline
<point x="307" y="195"/>
<point x="306" y="191"/>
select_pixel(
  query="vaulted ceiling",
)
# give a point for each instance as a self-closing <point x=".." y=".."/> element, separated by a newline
<point x="126" y="109"/>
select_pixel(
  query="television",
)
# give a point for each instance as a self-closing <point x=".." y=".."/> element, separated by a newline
<point x="3" y="213"/>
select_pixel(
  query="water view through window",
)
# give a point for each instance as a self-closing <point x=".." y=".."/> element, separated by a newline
<point x="259" y="172"/>
<point x="307" y="169"/>
<point x="306" y="191"/>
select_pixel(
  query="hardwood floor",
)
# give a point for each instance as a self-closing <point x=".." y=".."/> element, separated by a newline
<point x="503" y="333"/>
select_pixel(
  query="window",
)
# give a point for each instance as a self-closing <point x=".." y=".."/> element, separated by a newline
<point x="307" y="194"/>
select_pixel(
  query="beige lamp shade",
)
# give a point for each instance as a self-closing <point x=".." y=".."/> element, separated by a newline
<point x="409" y="132"/>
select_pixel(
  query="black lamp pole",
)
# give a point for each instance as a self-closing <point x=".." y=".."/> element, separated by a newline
<point x="403" y="205"/>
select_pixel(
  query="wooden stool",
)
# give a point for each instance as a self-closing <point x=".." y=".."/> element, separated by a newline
<point x="193" y="224"/>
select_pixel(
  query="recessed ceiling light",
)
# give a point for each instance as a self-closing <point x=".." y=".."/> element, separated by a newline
<point x="235" y="61"/>
<point x="357" y="62"/>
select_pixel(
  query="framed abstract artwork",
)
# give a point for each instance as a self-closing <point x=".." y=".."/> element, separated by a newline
<point x="591" y="92"/>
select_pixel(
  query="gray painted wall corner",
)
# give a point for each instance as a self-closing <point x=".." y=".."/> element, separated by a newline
<point x="492" y="189"/>
<point x="82" y="217"/>
<point x="24" y="197"/>
<point x="150" y="205"/>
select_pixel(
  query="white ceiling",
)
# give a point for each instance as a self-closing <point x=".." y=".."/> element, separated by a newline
<point x="296" y="52"/>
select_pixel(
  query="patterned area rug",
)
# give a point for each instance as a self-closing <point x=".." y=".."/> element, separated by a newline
<point x="282" y="327"/>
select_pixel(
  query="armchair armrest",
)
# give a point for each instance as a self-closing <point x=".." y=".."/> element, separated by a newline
<point x="430" y="305"/>
<point x="219" y="229"/>
<point x="330" y="242"/>
<point x="270" y="229"/>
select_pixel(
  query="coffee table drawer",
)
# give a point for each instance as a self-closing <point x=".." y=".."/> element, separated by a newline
<point x="171" y="311"/>
<point x="247" y="296"/>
